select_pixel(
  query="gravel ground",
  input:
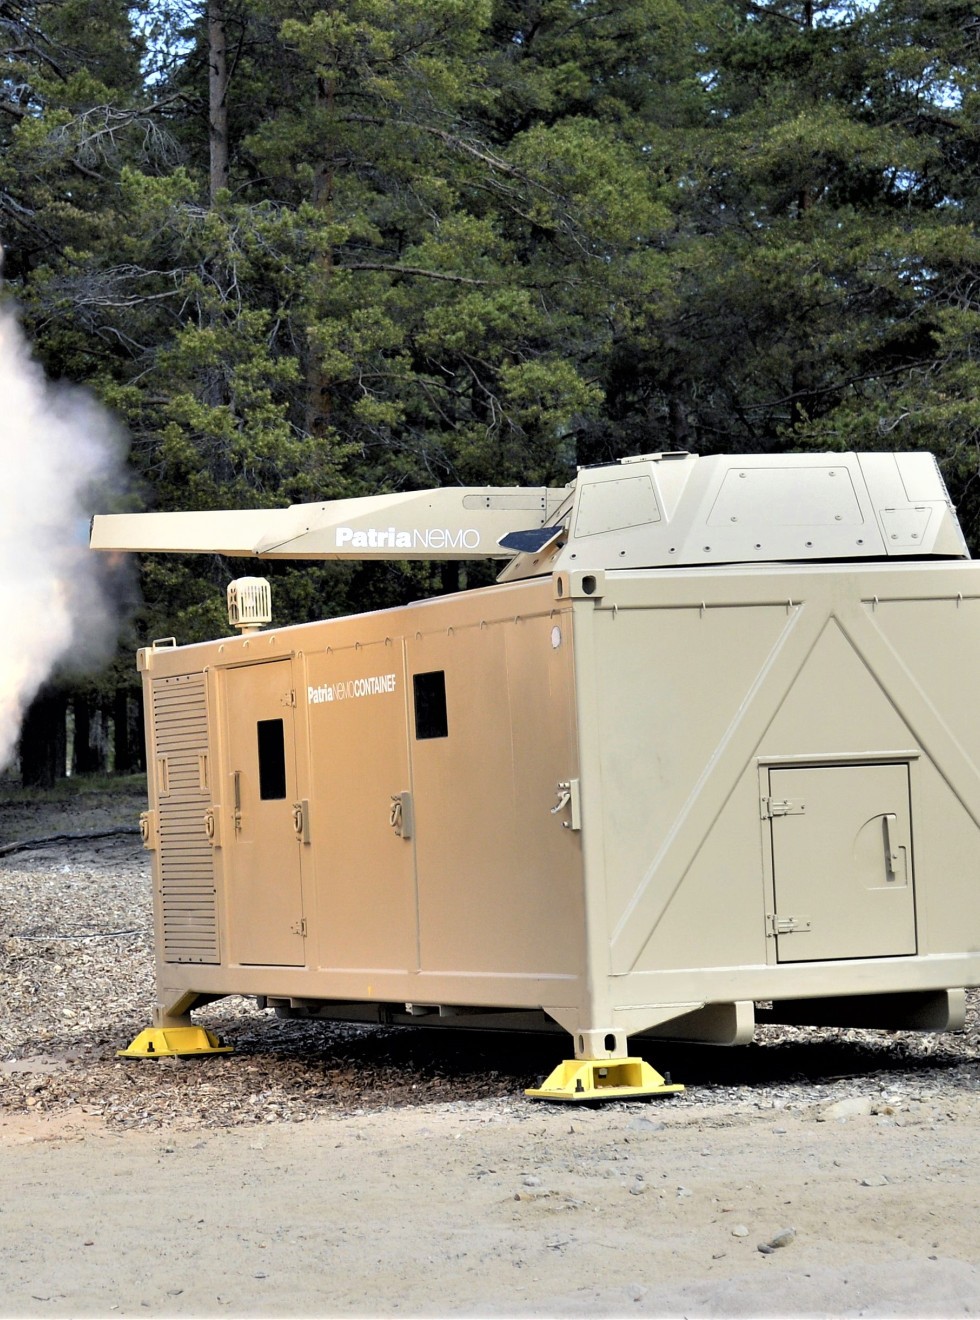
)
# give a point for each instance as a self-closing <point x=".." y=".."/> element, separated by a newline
<point x="76" y="967"/>
<point x="344" y="1171"/>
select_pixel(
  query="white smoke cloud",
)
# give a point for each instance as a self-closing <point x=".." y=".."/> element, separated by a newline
<point x="57" y="446"/>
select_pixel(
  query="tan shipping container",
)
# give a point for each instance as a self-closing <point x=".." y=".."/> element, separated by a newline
<point x="623" y="799"/>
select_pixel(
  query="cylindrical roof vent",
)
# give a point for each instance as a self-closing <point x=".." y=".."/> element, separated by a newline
<point x="249" y="603"/>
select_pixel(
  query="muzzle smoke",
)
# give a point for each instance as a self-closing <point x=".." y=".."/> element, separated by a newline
<point x="58" y="447"/>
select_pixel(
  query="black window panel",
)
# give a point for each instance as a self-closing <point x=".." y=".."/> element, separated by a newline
<point x="431" y="719"/>
<point x="272" y="760"/>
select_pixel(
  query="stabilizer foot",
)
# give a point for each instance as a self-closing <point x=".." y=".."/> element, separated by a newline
<point x="166" y="1042"/>
<point x="603" y="1079"/>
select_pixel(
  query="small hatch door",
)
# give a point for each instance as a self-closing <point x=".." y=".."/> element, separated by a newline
<point x="842" y="862"/>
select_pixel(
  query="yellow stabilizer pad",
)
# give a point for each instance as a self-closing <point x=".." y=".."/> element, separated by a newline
<point x="603" y="1079"/>
<point x="166" y="1042"/>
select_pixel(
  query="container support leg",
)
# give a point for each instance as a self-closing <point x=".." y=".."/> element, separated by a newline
<point x="168" y="1042"/>
<point x="173" y="1034"/>
<point x="578" y="1080"/>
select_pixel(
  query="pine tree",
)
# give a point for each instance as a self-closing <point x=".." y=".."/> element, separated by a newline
<point x="824" y="237"/>
<point x="309" y="251"/>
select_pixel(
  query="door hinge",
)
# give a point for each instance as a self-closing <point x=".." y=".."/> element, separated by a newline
<point x="787" y="925"/>
<point x="782" y="807"/>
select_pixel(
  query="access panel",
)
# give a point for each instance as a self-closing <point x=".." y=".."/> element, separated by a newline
<point x="842" y="862"/>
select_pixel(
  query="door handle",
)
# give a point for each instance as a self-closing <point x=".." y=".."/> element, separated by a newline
<point x="301" y="820"/>
<point x="890" y="823"/>
<point x="568" y="796"/>
<point x="400" y="817"/>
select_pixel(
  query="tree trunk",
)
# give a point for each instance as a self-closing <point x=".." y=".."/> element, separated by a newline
<point x="127" y="733"/>
<point x="99" y="738"/>
<point x="43" y="740"/>
<point x="85" y="759"/>
<point x="217" y="97"/>
<point x="680" y="433"/>
<point x="139" y="732"/>
<point x="214" y="385"/>
<point x="449" y="576"/>
<point x="317" y="385"/>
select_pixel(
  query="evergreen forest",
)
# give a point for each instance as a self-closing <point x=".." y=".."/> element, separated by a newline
<point x="309" y="250"/>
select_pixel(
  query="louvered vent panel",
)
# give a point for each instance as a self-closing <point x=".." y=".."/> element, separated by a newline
<point x="190" y="916"/>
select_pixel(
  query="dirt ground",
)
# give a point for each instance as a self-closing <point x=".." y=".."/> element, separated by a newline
<point x="382" y="1173"/>
<point x="495" y="1210"/>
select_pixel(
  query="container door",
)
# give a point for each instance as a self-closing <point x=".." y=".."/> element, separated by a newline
<point x="842" y="862"/>
<point x="263" y="844"/>
<point x="492" y="745"/>
<point x="363" y="835"/>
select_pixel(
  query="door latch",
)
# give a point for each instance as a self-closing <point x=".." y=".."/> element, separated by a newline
<point x="211" y="827"/>
<point x="301" y="820"/>
<point x="401" y="817"/>
<point x="568" y="796"/>
<point x="890" y="821"/>
<point x="148" y="829"/>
